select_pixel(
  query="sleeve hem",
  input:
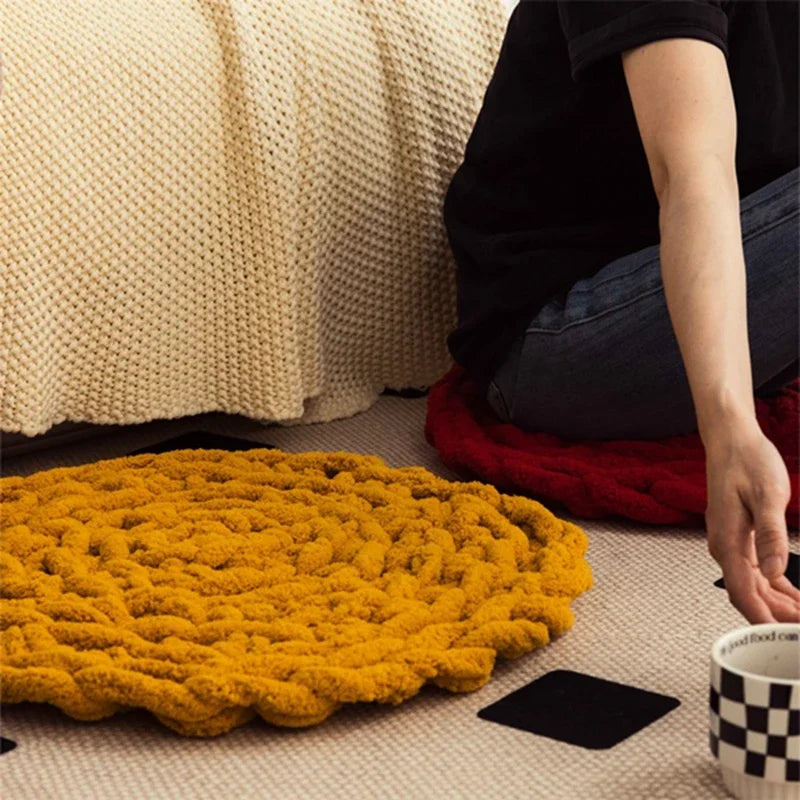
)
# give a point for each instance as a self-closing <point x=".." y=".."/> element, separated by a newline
<point x="684" y="20"/>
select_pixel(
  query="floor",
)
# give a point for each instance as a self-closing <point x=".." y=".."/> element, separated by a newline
<point x="649" y="622"/>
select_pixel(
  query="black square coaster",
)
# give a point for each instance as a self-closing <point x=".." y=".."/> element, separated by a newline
<point x="6" y="745"/>
<point x="579" y="709"/>
<point x="792" y="572"/>
<point x="409" y="393"/>
<point x="201" y="440"/>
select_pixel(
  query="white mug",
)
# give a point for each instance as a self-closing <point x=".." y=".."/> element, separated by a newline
<point x="754" y="714"/>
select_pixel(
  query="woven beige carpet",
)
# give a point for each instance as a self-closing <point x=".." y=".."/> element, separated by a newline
<point x="649" y="622"/>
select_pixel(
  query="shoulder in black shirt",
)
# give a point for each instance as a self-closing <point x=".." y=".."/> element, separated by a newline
<point x="554" y="183"/>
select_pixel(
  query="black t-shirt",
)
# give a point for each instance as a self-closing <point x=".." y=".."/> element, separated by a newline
<point x="555" y="183"/>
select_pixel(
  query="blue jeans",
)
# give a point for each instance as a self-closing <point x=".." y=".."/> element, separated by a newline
<point x="602" y="362"/>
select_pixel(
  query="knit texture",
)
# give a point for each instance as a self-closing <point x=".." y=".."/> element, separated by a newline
<point x="229" y="206"/>
<point x="648" y="481"/>
<point x="207" y="585"/>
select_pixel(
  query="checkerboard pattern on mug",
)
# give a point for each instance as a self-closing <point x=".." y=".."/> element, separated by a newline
<point x="755" y="727"/>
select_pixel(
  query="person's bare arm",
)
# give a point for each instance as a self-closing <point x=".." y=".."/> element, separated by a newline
<point x="684" y="107"/>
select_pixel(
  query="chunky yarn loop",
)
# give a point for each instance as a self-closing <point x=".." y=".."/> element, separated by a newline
<point x="208" y="586"/>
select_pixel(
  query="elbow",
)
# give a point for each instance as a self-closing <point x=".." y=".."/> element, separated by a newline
<point x="695" y="177"/>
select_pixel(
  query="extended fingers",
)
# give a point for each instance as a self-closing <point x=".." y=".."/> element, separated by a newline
<point x="772" y="545"/>
<point x="784" y="600"/>
<point x="769" y="521"/>
<point x="742" y="583"/>
<point x="730" y="542"/>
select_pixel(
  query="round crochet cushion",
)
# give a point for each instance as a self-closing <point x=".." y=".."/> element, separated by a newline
<point x="648" y="481"/>
<point x="207" y="585"/>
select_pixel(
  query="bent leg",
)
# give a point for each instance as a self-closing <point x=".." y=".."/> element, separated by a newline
<point x="602" y="362"/>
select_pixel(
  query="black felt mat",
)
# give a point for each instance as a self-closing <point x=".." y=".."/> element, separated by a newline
<point x="579" y="709"/>
<point x="201" y="440"/>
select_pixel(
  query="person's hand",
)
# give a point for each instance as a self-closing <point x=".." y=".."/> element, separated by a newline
<point x="748" y="491"/>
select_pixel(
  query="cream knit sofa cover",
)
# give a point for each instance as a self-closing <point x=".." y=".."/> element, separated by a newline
<point x="229" y="205"/>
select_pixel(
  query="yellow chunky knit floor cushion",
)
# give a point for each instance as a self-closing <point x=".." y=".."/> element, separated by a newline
<point x="208" y="586"/>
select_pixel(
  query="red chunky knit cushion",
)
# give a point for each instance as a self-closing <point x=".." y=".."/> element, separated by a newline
<point x="648" y="481"/>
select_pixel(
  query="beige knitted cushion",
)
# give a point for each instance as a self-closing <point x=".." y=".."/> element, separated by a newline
<point x="229" y="206"/>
